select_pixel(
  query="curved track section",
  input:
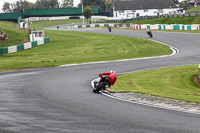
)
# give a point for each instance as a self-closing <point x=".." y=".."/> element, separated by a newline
<point x="60" y="99"/>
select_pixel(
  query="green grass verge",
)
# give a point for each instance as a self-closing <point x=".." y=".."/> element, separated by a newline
<point x="47" y="23"/>
<point x="174" y="83"/>
<point x="183" y="20"/>
<point x="15" y="35"/>
<point x="68" y="47"/>
<point x="193" y="10"/>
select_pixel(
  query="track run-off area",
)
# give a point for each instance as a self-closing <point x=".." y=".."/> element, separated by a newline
<point x="61" y="100"/>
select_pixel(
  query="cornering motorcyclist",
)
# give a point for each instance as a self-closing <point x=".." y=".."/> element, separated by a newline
<point x="149" y="32"/>
<point x="112" y="77"/>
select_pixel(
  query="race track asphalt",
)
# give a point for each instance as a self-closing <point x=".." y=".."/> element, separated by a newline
<point x="60" y="99"/>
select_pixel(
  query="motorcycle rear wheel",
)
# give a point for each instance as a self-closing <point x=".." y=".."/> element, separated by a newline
<point x="99" y="87"/>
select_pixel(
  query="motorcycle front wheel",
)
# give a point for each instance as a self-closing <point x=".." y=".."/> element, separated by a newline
<point x="99" y="87"/>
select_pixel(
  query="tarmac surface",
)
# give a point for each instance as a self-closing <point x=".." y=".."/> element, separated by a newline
<point x="61" y="99"/>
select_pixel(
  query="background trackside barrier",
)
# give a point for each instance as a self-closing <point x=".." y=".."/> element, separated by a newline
<point x="111" y="25"/>
<point x="145" y="26"/>
<point x="4" y="50"/>
<point x="101" y="25"/>
<point x="159" y="27"/>
<point x="70" y="27"/>
<point x="164" y="27"/>
<point x="194" y="27"/>
<point x="40" y="42"/>
<point x="34" y="44"/>
<point x="12" y="49"/>
<point x="21" y="47"/>
<point x="137" y="27"/>
<point x="176" y="27"/>
<point x="27" y="45"/>
<point x="128" y="25"/>
<point x="92" y="25"/>
<point x="46" y="40"/>
<point x="183" y="27"/>
<point x="84" y="26"/>
<point x="106" y="25"/>
<point x="189" y="27"/>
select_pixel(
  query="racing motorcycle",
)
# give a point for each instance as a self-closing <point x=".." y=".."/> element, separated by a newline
<point x="100" y="84"/>
<point x="150" y="33"/>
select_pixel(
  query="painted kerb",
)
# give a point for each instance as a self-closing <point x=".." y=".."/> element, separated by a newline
<point x="21" y="47"/>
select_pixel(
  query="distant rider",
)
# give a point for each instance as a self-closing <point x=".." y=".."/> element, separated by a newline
<point x="109" y="29"/>
<point x="149" y="32"/>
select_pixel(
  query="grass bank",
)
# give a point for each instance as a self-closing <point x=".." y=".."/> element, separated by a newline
<point x="15" y="35"/>
<point x="183" y="20"/>
<point x="47" y="23"/>
<point x="174" y="83"/>
<point x="68" y="47"/>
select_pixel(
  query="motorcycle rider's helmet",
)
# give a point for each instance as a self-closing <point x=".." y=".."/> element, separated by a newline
<point x="113" y="71"/>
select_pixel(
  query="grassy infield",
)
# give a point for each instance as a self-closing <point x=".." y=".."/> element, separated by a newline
<point x="77" y="47"/>
<point x="15" y="35"/>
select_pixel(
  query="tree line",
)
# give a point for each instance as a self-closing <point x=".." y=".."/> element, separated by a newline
<point x="20" y="5"/>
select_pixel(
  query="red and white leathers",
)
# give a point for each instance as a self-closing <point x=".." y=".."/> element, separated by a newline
<point x="112" y="77"/>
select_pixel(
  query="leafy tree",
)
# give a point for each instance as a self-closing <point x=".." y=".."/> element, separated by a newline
<point x="20" y="5"/>
<point x="108" y="4"/>
<point x="17" y="6"/>
<point x="184" y="5"/>
<point x="87" y="13"/>
<point x="67" y="3"/>
<point x="47" y="4"/>
<point x="53" y="3"/>
<point x="94" y="3"/>
<point x="6" y="7"/>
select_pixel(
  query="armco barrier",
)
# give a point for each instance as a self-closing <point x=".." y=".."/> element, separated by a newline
<point x="34" y="44"/>
<point x="4" y="50"/>
<point x="145" y="26"/>
<point x="20" y="47"/>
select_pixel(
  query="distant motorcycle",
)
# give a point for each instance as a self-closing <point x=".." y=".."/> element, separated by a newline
<point x="109" y="28"/>
<point x="149" y="33"/>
